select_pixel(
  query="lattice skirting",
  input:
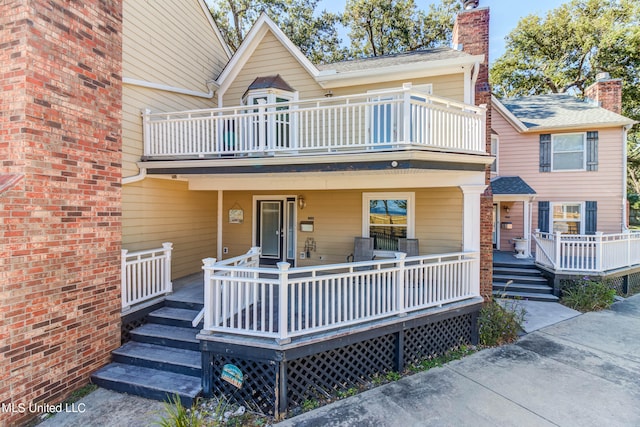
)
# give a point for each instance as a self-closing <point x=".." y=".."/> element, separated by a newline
<point x="276" y="380"/>
<point x="625" y="284"/>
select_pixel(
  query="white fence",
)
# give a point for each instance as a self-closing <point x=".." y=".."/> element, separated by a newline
<point x="145" y="275"/>
<point x="596" y="253"/>
<point x="288" y="302"/>
<point x="345" y="123"/>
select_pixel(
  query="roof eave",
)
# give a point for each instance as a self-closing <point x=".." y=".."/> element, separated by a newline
<point x="578" y="126"/>
<point x="333" y="79"/>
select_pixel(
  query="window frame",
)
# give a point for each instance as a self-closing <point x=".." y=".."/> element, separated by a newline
<point x="495" y="148"/>
<point x="584" y="151"/>
<point x="408" y="196"/>
<point x="581" y="220"/>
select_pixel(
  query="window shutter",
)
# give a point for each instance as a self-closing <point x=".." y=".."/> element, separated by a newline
<point x="592" y="151"/>
<point x="543" y="216"/>
<point x="545" y="153"/>
<point x="591" y="217"/>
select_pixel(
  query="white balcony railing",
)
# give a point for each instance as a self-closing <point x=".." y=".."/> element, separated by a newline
<point x="595" y="253"/>
<point x="384" y="120"/>
<point x="288" y="302"/>
<point x="145" y="275"/>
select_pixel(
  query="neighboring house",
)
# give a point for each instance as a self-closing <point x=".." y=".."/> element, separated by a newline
<point x="303" y="161"/>
<point x="561" y="168"/>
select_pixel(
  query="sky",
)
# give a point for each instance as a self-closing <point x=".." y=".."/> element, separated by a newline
<point x="505" y="15"/>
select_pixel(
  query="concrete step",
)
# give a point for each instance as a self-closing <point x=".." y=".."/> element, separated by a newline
<point x="533" y="280"/>
<point x="147" y="382"/>
<point x="170" y="359"/>
<point x="165" y="335"/>
<point x="516" y="271"/>
<point x="172" y="316"/>
<point x="522" y="287"/>
<point x="526" y="296"/>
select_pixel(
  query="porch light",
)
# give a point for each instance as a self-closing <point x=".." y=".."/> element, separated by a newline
<point x="328" y="94"/>
<point x="301" y="202"/>
<point x="507" y="209"/>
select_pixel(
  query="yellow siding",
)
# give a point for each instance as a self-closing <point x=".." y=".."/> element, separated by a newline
<point x="519" y="156"/>
<point x="170" y="42"/>
<point x="337" y="217"/>
<point x="448" y="86"/>
<point x="158" y="211"/>
<point x="271" y="58"/>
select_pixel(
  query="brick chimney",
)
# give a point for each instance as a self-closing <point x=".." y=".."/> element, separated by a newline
<point x="471" y="35"/>
<point x="607" y="92"/>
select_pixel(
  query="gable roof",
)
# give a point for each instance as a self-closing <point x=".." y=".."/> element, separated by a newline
<point x="407" y="65"/>
<point x="249" y="46"/>
<point x="556" y="111"/>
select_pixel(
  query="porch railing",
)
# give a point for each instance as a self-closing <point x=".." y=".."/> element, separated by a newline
<point x="145" y="275"/>
<point x="587" y="253"/>
<point x="389" y="119"/>
<point x="289" y="302"/>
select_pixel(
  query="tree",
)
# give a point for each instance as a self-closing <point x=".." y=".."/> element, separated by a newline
<point x="563" y="52"/>
<point x="382" y="27"/>
<point x="316" y="36"/>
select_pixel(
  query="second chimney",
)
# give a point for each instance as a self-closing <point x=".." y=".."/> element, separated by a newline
<point x="607" y="92"/>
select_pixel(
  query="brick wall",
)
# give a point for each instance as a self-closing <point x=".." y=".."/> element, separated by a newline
<point x="471" y="33"/>
<point x="60" y="145"/>
<point x="608" y="92"/>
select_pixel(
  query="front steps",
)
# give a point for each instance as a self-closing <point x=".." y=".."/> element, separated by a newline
<point x="163" y="358"/>
<point x="527" y="282"/>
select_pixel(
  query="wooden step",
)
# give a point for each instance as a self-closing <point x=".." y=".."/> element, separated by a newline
<point x="526" y="296"/>
<point x="165" y="335"/>
<point x="149" y="383"/>
<point x="533" y="280"/>
<point x="523" y="287"/>
<point x="170" y="359"/>
<point x="172" y="316"/>
<point x="516" y="271"/>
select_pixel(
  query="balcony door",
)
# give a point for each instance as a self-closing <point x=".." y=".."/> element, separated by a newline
<point x="275" y="229"/>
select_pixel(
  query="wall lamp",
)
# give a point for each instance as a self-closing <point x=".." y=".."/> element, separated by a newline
<point x="302" y="203"/>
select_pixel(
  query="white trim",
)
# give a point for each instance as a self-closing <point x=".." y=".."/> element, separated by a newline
<point x="173" y="89"/>
<point x="216" y="30"/>
<point x="584" y="152"/>
<point x="220" y="213"/>
<point x="249" y="46"/>
<point x="582" y="215"/>
<point x="495" y="138"/>
<point x="508" y="115"/>
<point x="471" y="215"/>
<point x="410" y="197"/>
<point x="254" y="219"/>
<point x="333" y="79"/>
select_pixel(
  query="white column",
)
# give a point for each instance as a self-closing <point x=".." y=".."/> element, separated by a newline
<point x="471" y="217"/>
<point x="219" y="231"/>
<point x="527" y="226"/>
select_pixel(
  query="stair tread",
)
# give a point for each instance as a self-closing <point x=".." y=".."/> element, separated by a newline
<point x="157" y="353"/>
<point x="148" y="378"/>
<point x="166" y="331"/>
<point x="183" y="314"/>
<point x="515" y="278"/>
<point x="527" y="295"/>
<point x="522" y="285"/>
<point x="520" y="270"/>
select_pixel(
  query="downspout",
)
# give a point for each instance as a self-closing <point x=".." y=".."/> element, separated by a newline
<point x="474" y="79"/>
<point x="625" y="129"/>
<point x="142" y="174"/>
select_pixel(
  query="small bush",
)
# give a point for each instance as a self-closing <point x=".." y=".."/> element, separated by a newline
<point x="587" y="295"/>
<point x="499" y="325"/>
<point x="178" y="415"/>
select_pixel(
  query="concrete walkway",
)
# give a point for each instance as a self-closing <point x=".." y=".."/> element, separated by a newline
<point x="584" y="371"/>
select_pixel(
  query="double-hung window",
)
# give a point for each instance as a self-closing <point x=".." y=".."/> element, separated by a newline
<point x="568" y="151"/>
<point x="567" y="218"/>
<point x="388" y="217"/>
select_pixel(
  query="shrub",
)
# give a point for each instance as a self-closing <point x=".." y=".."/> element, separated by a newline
<point x="587" y="295"/>
<point x="499" y="325"/>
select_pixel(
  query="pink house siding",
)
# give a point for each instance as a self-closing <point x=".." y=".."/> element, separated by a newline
<point x="519" y="156"/>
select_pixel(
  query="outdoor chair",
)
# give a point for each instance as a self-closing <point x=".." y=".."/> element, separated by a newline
<point x="408" y="246"/>
<point x="362" y="250"/>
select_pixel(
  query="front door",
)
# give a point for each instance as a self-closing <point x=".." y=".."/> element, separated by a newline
<point x="275" y="230"/>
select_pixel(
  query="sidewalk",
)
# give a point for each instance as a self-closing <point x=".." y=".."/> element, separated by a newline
<point x="584" y="371"/>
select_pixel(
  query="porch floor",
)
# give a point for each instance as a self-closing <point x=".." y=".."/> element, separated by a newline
<point x="508" y="257"/>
